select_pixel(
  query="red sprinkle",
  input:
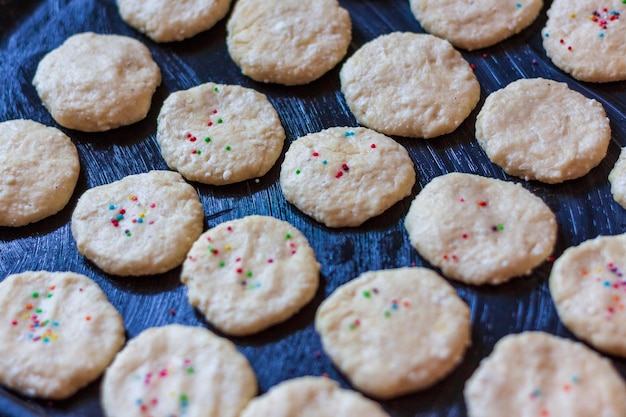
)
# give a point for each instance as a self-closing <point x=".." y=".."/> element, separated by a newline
<point x="172" y="312"/>
<point x="482" y="203"/>
<point x="373" y="146"/>
<point x="339" y="174"/>
<point x="316" y="154"/>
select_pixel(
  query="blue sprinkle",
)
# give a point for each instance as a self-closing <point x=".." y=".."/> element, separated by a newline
<point x="111" y="207"/>
<point x="607" y="284"/>
<point x="349" y="134"/>
<point x="140" y="220"/>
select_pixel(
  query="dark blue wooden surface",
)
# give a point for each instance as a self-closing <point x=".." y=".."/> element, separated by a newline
<point x="584" y="207"/>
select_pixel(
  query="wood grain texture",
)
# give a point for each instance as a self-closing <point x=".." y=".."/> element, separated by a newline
<point x="584" y="207"/>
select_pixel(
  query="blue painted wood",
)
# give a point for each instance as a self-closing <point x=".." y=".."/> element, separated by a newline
<point x="584" y="207"/>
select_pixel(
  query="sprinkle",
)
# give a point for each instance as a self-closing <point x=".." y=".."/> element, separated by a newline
<point x="222" y="264"/>
<point x="215" y="111"/>
<point x="482" y="203"/>
<point x="347" y="134"/>
<point x="485" y="55"/>
<point x="207" y="139"/>
<point x="288" y="236"/>
<point x="387" y="313"/>
<point x="219" y="121"/>
<point x="464" y="235"/>
<point x="339" y="174"/>
<point x="249" y="274"/>
<point x="172" y="312"/>
<point x="518" y="5"/>
<point x="324" y="162"/>
<point x="356" y="323"/>
<point x="473" y="66"/>
<point x="227" y="148"/>
<point x="29" y="306"/>
<point x="216" y="89"/>
<point x="536" y="393"/>
<point x="35" y="295"/>
<point x="315" y="154"/>
<point x="298" y="172"/>
<point x="111" y="207"/>
<point x="345" y="167"/>
<point x="88" y="318"/>
<point x="575" y="379"/>
<point x="367" y="294"/>
<point x="14" y="323"/>
<point x="373" y="146"/>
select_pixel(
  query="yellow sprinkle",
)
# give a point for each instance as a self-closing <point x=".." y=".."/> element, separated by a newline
<point x="142" y="215"/>
<point x="573" y="15"/>
<point x="54" y="336"/>
<point x="228" y="247"/>
<point x="26" y="315"/>
<point x="599" y="269"/>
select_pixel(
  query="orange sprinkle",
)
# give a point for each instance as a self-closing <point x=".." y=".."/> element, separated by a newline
<point x="406" y="303"/>
<point x="29" y="306"/>
<point x="545" y="413"/>
<point x="585" y="272"/>
<point x="566" y="388"/>
<point x="88" y="318"/>
<point x="52" y="287"/>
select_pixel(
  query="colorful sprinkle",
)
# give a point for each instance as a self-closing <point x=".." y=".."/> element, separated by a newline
<point x="348" y="134"/>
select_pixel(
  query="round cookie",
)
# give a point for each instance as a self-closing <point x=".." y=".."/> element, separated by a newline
<point x="363" y="327"/>
<point x="219" y="134"/>
<point x="617" y="178"/>
<point x="537" y="374"/>
<point x="143" y="224"/>
<point x="312" y="396"/>
<point x="409" y="84"/>
<point x="109" y="83"/>
<point x="475" y="24"/>
<point x="539" y="129"/>
<point x="588" y="287"/>
<point x="586" y="39"/>
<point x="167" y="21"/>
<point x="480" y="230"/>
<point x="290" y="42"/>
<point x="34" y="186"/>
<point x="343" y="176"/>
<point x="178" y="371"/>
<point x="59" y="333"/>
<point x="248" y="274"/>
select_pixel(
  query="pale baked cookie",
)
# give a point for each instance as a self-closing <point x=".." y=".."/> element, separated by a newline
<point x="475" y="24"/>
<point x="167" y="21"/>
<point x="537" y="374"/>
<point x="288" y="42"/>
<point x="617" y="178"/>
<point x="96" y="82"/>
<point x="248" y="274"/>
<point x="480" y="230"/>
<point x="312" y="397"/>
<point x="396" y="331"/>
<point x="588" y="286"/>
<point x="140" y="225"/>
<point x="178" y="371"/>
<point x="343" y="176"/>
<point x="586" y="38"/>
<point x="59" y="333"/>
<point x="539" y="129"/>
<point x="219" y="134"/>
<point x="39" y="169"/>
<point x="409" y="84"/>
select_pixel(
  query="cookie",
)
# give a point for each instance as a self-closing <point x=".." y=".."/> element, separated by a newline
<point x="363" y="327"/>
<point x="312" y="396"/>
<point x="343" y="176"/>
<point x="59" y="333"/>
<point x="537" y="374"/>
<point x="39" y="168"/>
<point x="248" y="274"/>
<point x="178" y="370"/>
<point x="588" y="287"/>
<point x="290" y="42"/>
<point x="586" y="39"/>
<point x="109" y="83"/>
<point x="219" y="134"/>
<point x="475" y="24"/>
<point x="143" y="224"/>
<point x="167" y="21"/>
<point x="617" y="178"/>
<point x="480" y="230"/>
<point x="409" y="84"/>
<point x="539" y="129"/>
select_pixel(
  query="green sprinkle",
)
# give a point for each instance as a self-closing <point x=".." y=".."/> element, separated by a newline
<point x="500" y="227"/>
<point x="352" y="326"/>
<point x="228" y="148"/>
<point x="216" y="89"/>
<point x="249" y="274"/>
<point x="38" y="310"/>
<point x="190" y="371"/>
<point x="367" y="294"/>
<point x="128" y="233"/>
<point x="387" y="313"/>
<point x="207" y="139"/>
<point x="298" y="172"/>
<point x="288" y="236"/>
<point x="222" y="264"/>
<point x="219" y="120"/>
<point x="49" y="295"/>
<point x="198" y="151"/>
<point x="35" y="295"/>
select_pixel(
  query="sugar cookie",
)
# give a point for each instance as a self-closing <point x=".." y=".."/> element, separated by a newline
<point x="409" y="84"/>
<point x="312" y="396"/>
<point x="475" y="24"/>
<point x="178" y="371"/>
<point x="97" y="82"/>
<point x="588" y="287"/>
<point x="480" y="230"/>
<point x="617" y="178"/>
<point x="219" y="134"/>
<point x="248" y="274"/>
<point x="289" y="42"/>
<point x="140" y="225"/>
<point x="167" y="21"/>
<point x="537" y="374"/>
<point x="39" y="169"/>
<point x="343" y="176"/>
<point x="363" y="326"/>
<point x="59" y="333"/>
<point x="539" y="129"/>
<point x="586" y="38"/>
